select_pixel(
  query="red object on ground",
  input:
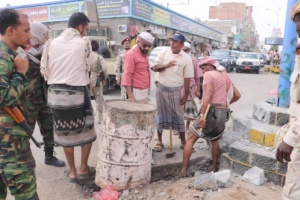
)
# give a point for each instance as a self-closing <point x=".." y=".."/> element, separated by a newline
<point x="106" y="193"/>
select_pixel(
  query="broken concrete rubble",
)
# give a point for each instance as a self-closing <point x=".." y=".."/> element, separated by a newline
<point x="255" y="176"/>
<point x="205" y="182"/>
<point x="223" y="178"/>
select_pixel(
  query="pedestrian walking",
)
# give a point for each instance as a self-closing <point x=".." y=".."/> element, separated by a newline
<point x="38" y="110"/>
<point x="175" y="68"/>
<point x="65" y="67"/>
<point x="136" y="76"/>
<point x="17" y="165"/>
<point x="119" y="67"/>
<point x="97" y="78"/>
<point x="289" y="149"/>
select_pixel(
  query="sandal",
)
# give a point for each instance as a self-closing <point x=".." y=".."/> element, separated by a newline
<point x="91" y="174"/>
<point x="158" y="147"/>
<point x="71" y="180"/>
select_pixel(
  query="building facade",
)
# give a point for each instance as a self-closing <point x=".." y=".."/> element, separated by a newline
<point x="245" y="37"/>
<point x="124" y="18"/>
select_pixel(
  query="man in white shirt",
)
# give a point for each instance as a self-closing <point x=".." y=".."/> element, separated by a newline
<point x="175" y="69"/>
<point x="65" y="66"/>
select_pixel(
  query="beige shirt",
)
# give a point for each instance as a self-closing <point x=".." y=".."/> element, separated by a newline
<point x="174" y="76"/>
<point x="292" y="137"/>
<point x="93" y="60"/>
<point x="67" y="59"/>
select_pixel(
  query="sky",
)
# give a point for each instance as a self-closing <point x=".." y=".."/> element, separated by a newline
<point x="264" y="19"/>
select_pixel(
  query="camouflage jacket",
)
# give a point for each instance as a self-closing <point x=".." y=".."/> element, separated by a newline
<point x="12" y="90"/>
<point x="37" y="90"/>
<point x="119" y="66"/>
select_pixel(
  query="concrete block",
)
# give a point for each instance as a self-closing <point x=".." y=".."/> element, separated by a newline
<point x="223" y="178"/>
<point x="255" y="175"/>
<point x="264" y="162"/>
<point x="206" y="182"/>
<point x="269" y="139"/>
<point x="239" y="168"/>
<point x="270" y="114"/>
<point x="256" y="136"/>
<point x="275" y="178"/>
<point x="225" y="162"/>
<point x="238" y="154"/>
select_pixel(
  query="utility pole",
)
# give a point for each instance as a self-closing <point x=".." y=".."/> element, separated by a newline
<point x="287" y="58"/>
<point x="98" y="20"/>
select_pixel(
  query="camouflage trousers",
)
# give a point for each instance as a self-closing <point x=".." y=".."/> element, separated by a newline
<point x="17" y="168"/>
<point x="98" y="94"/>
<point x="39" y="112"/>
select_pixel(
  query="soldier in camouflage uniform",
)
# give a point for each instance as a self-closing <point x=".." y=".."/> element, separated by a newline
<point x="16" y="161"/>
<point x="120" y="64"/>
<point x="98" y="66"/>
<point x="36" y="92"/>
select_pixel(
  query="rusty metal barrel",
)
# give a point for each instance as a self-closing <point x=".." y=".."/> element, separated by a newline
<point x="125" y="151"/>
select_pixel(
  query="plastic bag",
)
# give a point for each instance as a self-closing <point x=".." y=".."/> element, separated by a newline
<point x="106" y="193"/>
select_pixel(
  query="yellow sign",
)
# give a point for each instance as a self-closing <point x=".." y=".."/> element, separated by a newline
<point x="160" y="16"/>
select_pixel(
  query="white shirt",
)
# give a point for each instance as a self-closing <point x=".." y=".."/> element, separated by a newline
<point x="174" y="76"/>
<point x="67" y="59"/>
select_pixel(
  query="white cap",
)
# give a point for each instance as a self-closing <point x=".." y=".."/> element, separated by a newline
<point x="188" y="45"/>
<point x="147" y="37"/>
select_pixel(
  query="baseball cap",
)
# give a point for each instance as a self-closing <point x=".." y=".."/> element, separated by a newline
<point x="178" y="37"/>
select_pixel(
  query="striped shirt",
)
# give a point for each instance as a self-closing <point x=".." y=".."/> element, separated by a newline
<point x="218" y="81"/>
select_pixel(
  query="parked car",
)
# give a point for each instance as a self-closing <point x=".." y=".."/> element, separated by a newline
<point x="248" y="61"/>
<point x="235" y="54"/>
<point x="154" y="53"/>
<point x="262" y="59"/>
<point x="224" y="57"/>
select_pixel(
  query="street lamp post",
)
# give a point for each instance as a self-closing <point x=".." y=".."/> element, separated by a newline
<point x="98" y="20"/>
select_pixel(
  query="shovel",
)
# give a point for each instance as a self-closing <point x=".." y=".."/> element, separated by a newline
<point x="171" y="154"/>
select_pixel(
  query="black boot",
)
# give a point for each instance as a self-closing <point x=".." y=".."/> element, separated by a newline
<point x="50" y="159"/>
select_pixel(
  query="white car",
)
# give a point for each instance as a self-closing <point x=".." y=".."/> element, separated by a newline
<point x="154" y="53"/>
<point x="248" y="61"/>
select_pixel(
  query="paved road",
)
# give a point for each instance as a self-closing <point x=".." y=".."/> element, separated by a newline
<point x="253" y="87"/>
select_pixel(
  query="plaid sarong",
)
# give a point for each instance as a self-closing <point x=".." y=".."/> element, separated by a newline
<point x="170" y="114"/>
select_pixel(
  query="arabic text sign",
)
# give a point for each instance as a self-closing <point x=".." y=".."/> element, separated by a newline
<point x="273" y="41"/>
<point x="37" y="13"/>
<point x="113" y="7"/>
<point x="63" y="11"/>
<point x="142" y="9"/>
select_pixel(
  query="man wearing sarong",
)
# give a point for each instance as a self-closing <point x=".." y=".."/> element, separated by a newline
<point x="65" y="66"/>
<point x="119" y="66"/>
<point x="136" y="76"/>
<point x="289" y="149"/>
<point x="190" y="108"/>
<point x="36" y="92"/>
<point x="17" y="165"/>
<point x="215" y="95"/>
<point x="175" y="69"/>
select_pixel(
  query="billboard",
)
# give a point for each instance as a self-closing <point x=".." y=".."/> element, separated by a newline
<point x="62" y="12"/>
<point x="274" y="41"/>
<point x="36" y="13"/>
<point x="112" y="7"/>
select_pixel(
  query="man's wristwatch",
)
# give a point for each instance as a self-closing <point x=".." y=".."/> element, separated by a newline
<point x="201" y="115"/>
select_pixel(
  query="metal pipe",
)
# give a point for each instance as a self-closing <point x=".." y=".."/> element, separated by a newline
<point x="287" y="59"/>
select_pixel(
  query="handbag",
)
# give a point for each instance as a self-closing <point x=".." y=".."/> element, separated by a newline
<point x="101" y="76"/>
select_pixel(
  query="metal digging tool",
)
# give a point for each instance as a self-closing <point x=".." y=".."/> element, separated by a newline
<point x="171" y="154"/>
